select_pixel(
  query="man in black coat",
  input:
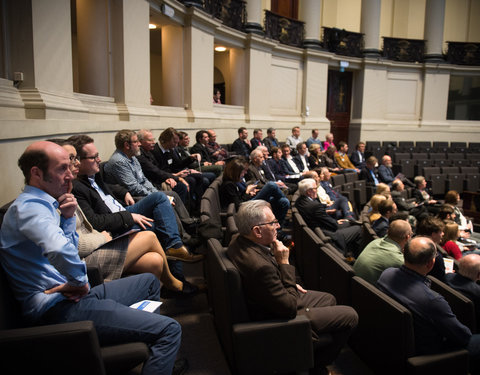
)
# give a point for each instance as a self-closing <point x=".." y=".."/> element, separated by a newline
<point x="369" y="172"/>
<point x="242" y="146"/>
<point x="346" y="238"/>
<point x="206" y="161"/>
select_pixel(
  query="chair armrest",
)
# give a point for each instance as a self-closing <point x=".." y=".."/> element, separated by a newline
<point x="51" y="349"/>
<point x="455" y="362"/>
<point x="263" y="346"/>
<point x="118" y="358"/>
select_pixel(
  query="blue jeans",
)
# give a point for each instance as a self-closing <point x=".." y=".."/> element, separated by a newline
<point x="157" y="206"/>
<point x="116" y="323"/>
<point x="273" y="195"/>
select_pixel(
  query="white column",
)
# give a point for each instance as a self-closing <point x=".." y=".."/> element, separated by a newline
<point x="370" y="26"/>
<point x="434" y="21"/>
<point x="254" y="17"/>
<point x="311" y="13"/>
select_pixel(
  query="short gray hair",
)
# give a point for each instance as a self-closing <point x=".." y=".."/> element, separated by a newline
<point x="250" y="213"/>
<point x="255" y="153"/>
<point x="142" y="133"/>
<point x="305" y="184"/>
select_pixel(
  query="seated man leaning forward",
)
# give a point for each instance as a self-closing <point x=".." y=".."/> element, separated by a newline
<point x="270" y="287"/>
<point x="39" y="255"/>
<point x="383" y="253"/>
<point x="437" y="329"/>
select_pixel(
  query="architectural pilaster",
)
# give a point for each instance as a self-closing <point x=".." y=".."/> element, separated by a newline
<point x="370" y="27"/>
<point x="254" y="17"/>
<point x="434" y="22"/>
<point x="311" y="13"/>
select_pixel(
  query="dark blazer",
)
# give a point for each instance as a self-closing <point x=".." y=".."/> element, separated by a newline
<point x="253" y="174"/>
<point x="181" y="155"/>
<point x="286" y="167"/>
<point x="365" y="175"/>
<point x="386" y="174"/>
<point x="170" y="161"/>
<point x="269" y="143"/>
<point x="298" y="161"/>
<point x="277" y="168"/>
<point x="230" y="192"/>
<point x="96" y="211"/>
<point x="380" y="226"/>
<point x="270" y="288"/>
<point x="316" y="163"/>
<point x="467" y="287"/>
<point x="357" y="161"/>
<point x="241" y="148"/>
<point x="401" y="202"/>
<point x="151" y="169"/>
<point x="314" y="213"/>
<point x="255" y="143"/>
<point x="198" y="148"/>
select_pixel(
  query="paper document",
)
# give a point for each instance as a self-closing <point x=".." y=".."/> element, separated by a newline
<point x="146" y="305"/>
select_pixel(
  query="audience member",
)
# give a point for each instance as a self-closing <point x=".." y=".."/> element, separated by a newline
<point x="205" y="159"/>
<point x="368" y="173"/>
<point x="436" y="327"/>
<point x="315" y="158"/>
<point x="386" y="175"/>
<point x="301" y="159"/>
<point x="256" y="172"/>
<point x="340" y="202"/>
<point x="374" y="203"/>
<point x="329" y="160"/>
<point x="294" y="139"/>
<point x="217" y="96"/>
<point x="234" y="190"/>
<point x="465" y="280"/>
<point x="422" y="196"/>
<point x="105" y="213"/>
<point x="270" y="286"/>
<point x="451" y="233"/>
<point x="40" y="257"/>
<point x="257" y="138"/>
<point x="357" y="157"/>
<point x="410" y="208"/>
<point x="342" y="159"/>
<point x="383" y="253"/>
<point x="314" y="139"/>
<point x="270" y="140"/>
<point x="289" y="164"/>
<point x="433" y="228"/>
<point x="217" y="152"/>
<point x="242" y="145"/>
<point x="328" y="141"/>
<point x="383" y="189"/>
<point x="453" y="198"/>
<point x="276" y="166"/>
<point x="152" y="171"/>
<point x="387" y="208"/>
<point x="346" y="238"/>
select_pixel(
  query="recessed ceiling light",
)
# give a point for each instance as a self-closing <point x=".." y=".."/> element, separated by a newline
<point x="220" y="48"/>
<point x="152" y="26"/>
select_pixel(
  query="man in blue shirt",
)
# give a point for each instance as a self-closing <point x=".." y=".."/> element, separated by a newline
<point x="40" y="257"/>
<point x="436" y="328"/>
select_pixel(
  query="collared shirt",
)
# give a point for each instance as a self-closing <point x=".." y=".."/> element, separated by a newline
<point x="312" y="140"/>
<point x="110" y="201"/>
<point x="433" y="319"/>
<point x="128" y="172"/>
<point x="39" y="251"/>
<point x="293" y="141"/>
<point x="292" y="164"/>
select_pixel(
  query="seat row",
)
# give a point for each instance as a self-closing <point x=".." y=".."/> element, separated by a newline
<point x="424" y="146"/>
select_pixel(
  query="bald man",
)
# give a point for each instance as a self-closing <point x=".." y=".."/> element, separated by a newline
<point x="383" y="253"/>
<point x="437" y="329"/>
<point x="465" y="280"/>
<point x="40" y="257"/>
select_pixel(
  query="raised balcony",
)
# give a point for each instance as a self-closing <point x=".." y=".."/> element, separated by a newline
<point x="405" y="50"/>
<point x="285" y="30"/>
<point x="342" y="42"/>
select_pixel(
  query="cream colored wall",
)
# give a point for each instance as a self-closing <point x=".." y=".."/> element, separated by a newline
<point x="461" y="21"/>
<point x="343" y="14"/>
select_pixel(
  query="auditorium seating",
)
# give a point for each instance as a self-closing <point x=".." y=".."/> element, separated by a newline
<point x="254" y="347"/>
<point x="384" y="337"/>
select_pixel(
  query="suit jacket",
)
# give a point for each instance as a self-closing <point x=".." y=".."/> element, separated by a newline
<point x="181" y="156"/>
<point x="255" y="143"/>
<point x="151" y="168"/>
<point x="269" y="143"/>
<point x="314" y="213"/>
<point x="365" y="175"/>
<point x="386" y="174"/>
<point x="241" y="148"/>
<point x="380" y="226"/>
<point x="169" y="161"/>
<point x="254" y="174"/>
<point x="298" y="161"/>
<point x="198" y="148"/>
<point x="357" y="160"/>
<point x="467" y="287"/>
<point x="270" y="288"/>
<point x="277" y="168"/>
<point x="95" y="209"/>
<point x="401" y="202"/>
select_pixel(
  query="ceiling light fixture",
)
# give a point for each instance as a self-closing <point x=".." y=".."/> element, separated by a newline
<point x="151" y="26"/>
<point x="220" y="48"/>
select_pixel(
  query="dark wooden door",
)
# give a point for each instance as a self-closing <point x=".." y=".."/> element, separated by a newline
<point x="338" y="103"/>
<point x="286" y="8"/>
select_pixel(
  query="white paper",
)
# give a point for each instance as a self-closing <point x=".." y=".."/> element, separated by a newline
<point x="448" y="265"/>
<point x="146" y="305"/>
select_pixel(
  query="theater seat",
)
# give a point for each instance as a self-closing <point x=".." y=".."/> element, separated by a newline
<point x="254" y="347"/>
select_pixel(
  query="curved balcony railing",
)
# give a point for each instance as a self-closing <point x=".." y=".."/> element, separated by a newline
<point x="285" y="30"/>
<point x="463" y="53"/>
<point x="406" y="50"/>
<point x="342" y="42"/>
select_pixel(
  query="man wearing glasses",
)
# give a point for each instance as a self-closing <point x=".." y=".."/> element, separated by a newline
<point x="270" y="286"/>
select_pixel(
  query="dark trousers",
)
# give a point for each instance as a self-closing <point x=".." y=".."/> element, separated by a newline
<point x="327" y="318"/>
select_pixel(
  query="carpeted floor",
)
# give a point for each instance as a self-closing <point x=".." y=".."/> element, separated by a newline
<point x="200" y="345"/>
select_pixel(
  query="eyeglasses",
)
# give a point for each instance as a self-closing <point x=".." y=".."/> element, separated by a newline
<point x="94" y="157"/>
<point x="74" y="158"/>
<point x="274" y="222"/>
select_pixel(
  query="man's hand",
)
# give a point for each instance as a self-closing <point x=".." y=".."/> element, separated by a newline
<point x="300" y="289"/>
<point x="129" y="201"/>
<point x="280" y="252"/>
<point x="107" y="235"/>
<point x="193" y="171"/>
<point x="73" y="293"/>
<point x="171" y="182"/>
<point x="207" y="163"/>
<point x="280" y="184"/>
<point x="182" y="173"/>
<point x="183" y="181"/>
<point x="142" y="220"/>
<point x="196" y="157"/>
<point x="251" y="190"/>
<point x="67" y="205"/>
<point x="220" y="162"/>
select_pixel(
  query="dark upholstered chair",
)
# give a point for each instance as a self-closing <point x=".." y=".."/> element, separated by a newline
<point x="253" y="347"/>
<point x="69" y="348"/>
<point x="325" y="268"/>
<point x="384" y="337"/>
